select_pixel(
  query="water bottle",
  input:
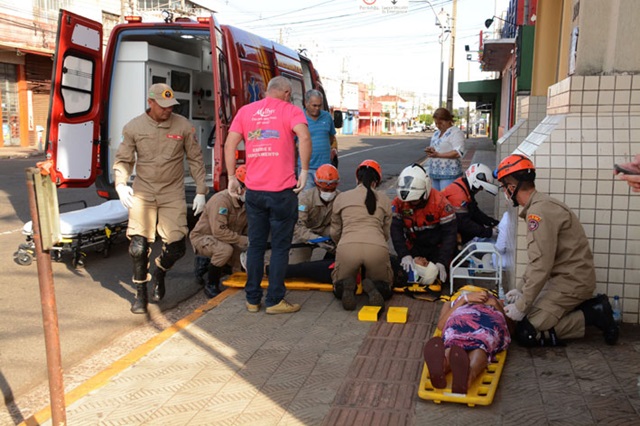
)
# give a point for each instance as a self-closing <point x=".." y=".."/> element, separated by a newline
<point x="472" y="266"/>
<point x="411" y="276"/>
<point x="617" y="311"/>
<point x="501" y="295"/>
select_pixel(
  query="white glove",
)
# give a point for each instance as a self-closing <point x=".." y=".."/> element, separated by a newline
<point x="514" y="313"/>
<point x="442" y="272"/>
<point x="302" y="181"/>
<point x="234" y="187"/>
<point x="198" y="204"/>
<point x="407" y="263"/>
<point x="513" y="295"/>
<point x="125" y="193"/>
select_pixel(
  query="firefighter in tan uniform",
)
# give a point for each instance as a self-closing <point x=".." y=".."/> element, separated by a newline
<point x="221" y="234"/>
<point x="554" y="299"/>
<point x="156" y="143"/>
<point x="315" y="206"/>
<point x="360" y="226"/>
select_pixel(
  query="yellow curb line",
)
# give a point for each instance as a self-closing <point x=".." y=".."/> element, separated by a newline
<point x="131" y="358"/>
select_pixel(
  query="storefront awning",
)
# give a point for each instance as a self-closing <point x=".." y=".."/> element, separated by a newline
<point x="480" y="91"/>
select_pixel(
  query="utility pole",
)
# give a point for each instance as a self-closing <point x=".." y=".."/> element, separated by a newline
<point x="451" y="56"/>
<point x="371" y="108"/>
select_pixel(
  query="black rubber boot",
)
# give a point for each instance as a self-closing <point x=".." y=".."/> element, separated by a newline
<point x="384" y="288"/>
<point x="200" y="265"/>
<point x="139" y="305"/>
<point x="212" y="288"/>
<point x="158" y="285"/>
<point x="348" y="294"/>
<point x="375" y="298"/>
<point x="597" y="311"/>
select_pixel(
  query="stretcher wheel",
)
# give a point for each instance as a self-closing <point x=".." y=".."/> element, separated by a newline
<point x="23" y="258"/>
<point x="106" y="251"/>
<point x="78" y="261"/>
<point x="56" y="255"/>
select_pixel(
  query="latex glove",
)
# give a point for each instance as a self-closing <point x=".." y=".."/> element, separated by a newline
<point x="407" y="263"/>
<point x="302" y="181"/>
<point x="125" y="193"/>
<point x="442" y="272"/>
<point x="494" y="233"/>
<point x="513" y="295"/>
<point x="234" y="187"/>
<point x="198" y="204"/>
<point x="514" y="313"/>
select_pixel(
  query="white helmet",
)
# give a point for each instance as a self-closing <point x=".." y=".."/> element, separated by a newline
<point x="425" y="275"/>
<point x="413" y="183"/>
<point x="480" y="176"/>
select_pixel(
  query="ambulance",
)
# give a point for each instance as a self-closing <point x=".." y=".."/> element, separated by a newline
<point x="213" y="69"/>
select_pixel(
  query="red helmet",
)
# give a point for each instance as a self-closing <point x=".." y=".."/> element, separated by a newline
<point x="327" y="177"/>
<point x="373" y="164"/>
<point x="241" y="172"/>
<point x="513" y="163"/>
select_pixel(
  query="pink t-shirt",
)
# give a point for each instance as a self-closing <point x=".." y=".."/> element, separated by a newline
<point x="267" y="128"/>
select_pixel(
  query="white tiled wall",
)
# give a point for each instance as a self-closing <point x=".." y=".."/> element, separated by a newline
<point x="592" y="122"/>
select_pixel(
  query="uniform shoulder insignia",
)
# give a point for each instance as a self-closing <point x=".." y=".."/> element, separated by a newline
<point x="448" y="208"/>
<point x="302" y="208"/>
<point x="223" y="210"/>
<point x="533" y="222"/>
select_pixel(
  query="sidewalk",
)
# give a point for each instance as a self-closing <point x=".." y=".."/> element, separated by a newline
<point x="9" y="152"/>
<point x="322" y="366"/>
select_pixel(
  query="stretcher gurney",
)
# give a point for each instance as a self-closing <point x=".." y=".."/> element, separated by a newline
<point x="91" y="227"/>
<point x="480" y="393"/>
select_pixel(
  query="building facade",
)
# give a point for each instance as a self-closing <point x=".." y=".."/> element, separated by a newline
<point x="580" y="116"/>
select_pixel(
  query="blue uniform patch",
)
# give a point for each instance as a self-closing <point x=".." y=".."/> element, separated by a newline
<point x="302" y="208"/>
<point x="223" y="210"/>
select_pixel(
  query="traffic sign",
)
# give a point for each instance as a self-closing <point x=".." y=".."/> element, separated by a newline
<point x="383" y="6"/>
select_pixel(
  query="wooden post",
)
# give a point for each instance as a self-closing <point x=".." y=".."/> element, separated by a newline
<point x="49" y="310"/>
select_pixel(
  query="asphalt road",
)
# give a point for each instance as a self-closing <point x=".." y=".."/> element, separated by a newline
<point x="93" y="302"/>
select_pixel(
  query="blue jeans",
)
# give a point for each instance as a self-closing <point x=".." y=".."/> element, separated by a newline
<point x="311" y="178"/>
<point x="275" y="213"/>
<point x="441" y="184"/>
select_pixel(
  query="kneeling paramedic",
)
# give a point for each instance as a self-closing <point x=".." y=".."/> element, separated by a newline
<point x="221" y="234"/>
<point x="554" y="298"/>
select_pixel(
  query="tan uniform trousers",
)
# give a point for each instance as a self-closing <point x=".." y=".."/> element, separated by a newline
<point x="170" y="217"/>
<point x="568" y="322"/>
<point x="351" y="256"/>
<point x="220" y="253"/>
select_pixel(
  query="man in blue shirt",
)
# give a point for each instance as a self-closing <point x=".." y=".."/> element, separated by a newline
<point x="323" y="133"/>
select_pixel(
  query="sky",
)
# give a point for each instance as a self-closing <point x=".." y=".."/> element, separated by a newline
<point x="398" y="53"/>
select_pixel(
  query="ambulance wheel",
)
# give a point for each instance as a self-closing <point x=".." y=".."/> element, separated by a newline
<point x="23" y="258"/>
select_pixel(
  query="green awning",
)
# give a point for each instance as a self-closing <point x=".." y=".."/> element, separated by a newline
<point x="481" y="91"/>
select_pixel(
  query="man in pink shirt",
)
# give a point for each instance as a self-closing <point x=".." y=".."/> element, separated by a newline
<point x="268" y="128"/>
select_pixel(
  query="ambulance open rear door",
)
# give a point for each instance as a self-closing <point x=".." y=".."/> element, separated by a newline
<point x="74" y="109"/>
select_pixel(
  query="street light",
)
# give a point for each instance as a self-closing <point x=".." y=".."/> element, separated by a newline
<point x="442" y="21"/>
<point x="489" y="21"/>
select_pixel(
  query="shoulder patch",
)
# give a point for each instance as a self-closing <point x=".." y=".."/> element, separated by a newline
<point x="533" y="222"/>
<point x="302" y="208"/>
<point x="448" y="208"/>
<point x="223" y="211"/>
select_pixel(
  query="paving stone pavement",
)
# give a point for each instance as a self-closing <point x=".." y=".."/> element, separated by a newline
<point x="321" y="366"/>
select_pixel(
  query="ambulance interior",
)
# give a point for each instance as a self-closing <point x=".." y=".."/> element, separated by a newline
<point x="179" y="58"/>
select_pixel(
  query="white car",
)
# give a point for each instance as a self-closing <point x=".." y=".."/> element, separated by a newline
<point x="416" y="128"/>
